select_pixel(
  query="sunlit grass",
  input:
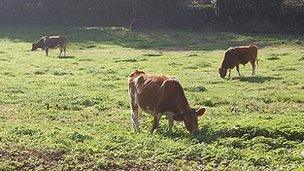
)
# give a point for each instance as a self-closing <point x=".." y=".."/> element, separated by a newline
<point x="73" y="112"/>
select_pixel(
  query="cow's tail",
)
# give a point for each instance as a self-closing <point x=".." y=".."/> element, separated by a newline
<point x="256" y="53"/>
<point x="256" y="59"/>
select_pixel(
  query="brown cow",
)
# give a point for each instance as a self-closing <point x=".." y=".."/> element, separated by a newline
<point x="134" y="25"/>
<point x="236" y="56"/>
<point x="51" y="42"/>
<point x="161" y="95"/>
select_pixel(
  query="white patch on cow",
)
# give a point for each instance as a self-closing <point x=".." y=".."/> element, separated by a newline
<point x="136" y="99"/>
<point x="174" y="79"/>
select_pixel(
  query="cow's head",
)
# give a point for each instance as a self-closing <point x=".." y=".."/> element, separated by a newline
<point x="191" y="117"/>
<point x="222" y="72"/>
<point x="34" y="46"/>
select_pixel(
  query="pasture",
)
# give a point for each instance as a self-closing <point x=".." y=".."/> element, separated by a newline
<point x="73" y="112"/>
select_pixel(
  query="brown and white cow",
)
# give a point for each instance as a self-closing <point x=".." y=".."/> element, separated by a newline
<point x="160" y="95"/>
<point x="51" y="42"/>
<point x="236" y="56"/>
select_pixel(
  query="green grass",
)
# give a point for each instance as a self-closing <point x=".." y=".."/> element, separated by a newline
<point x="73" y="113"/>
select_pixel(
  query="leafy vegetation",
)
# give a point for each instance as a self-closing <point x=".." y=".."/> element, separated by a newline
<point x="73" y="112"/>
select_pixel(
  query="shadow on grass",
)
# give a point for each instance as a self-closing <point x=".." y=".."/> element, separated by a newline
<point x="66" y="57"/>
<point x="208" y="135"/>
<point x="256" y="79"/>
<point x="247" y="132"/>
<point x="164" y="40"/>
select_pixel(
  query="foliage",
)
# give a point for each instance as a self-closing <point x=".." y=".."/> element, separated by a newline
<point x="93" y="12"/>
<point x="284" y="14"/>
<point x="253" y="15"/>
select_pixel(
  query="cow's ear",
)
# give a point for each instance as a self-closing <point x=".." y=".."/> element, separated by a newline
<point x="200" y="111"/>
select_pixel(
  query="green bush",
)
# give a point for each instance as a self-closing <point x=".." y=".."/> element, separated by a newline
<point x="283" y="14"/>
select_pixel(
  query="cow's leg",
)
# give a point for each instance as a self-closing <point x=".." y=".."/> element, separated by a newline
<point x="170" y="121"/>
<point x="229" y="73"/>
<point x="47" y="51"/>
<point x="238" y="70"/>
<point x="155" y="121"/>
<point x="60" y="51"/>
<point x="64" y="50"/>
<point x="135" y="111"/>
<point x="253" y="67"/>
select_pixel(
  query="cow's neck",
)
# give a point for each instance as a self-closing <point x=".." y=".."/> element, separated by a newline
<point x="225" y="64"/>
<point x="183" y="105"/>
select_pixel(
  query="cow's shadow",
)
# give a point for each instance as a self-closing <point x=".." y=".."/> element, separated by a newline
<point x="256" y="79"/>
<point x="150" y="39"/>
<point x="202" y="136"/>
<point x="66" y="57"/>
<point x="208" y="135"/>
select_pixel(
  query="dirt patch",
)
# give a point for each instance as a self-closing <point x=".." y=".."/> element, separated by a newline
<point x="8" y="107"/>
<point x="8" y="111"/>
<point x="174" y="48"/>
<point x="30" y="159"/>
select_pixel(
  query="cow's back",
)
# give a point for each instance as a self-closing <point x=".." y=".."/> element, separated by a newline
<point x="246" y="54"/>
<point x="146" y="89"/>
<point x="243" y="55"/>
<point x="54" y="41"/>
<point x="173" y="97"/>
<point x="240" y="55"/>
<point x="159" y="94"/>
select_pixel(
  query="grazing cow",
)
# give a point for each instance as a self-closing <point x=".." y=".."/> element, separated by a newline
<point x="236" y="56"/>
<point x="161" y="95"/>
<point x="134" y="25"/>
<point x="51" y="42"/>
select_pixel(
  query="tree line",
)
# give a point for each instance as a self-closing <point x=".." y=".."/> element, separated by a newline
<point x="237" y="14"/>
<point x="285" y="15"/>
<point x="88" y="12"/>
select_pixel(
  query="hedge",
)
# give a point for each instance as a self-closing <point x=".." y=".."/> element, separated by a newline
<point x="284" y="14"/>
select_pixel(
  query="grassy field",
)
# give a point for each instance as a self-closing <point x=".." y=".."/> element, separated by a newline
<point x="73" y="113"/>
